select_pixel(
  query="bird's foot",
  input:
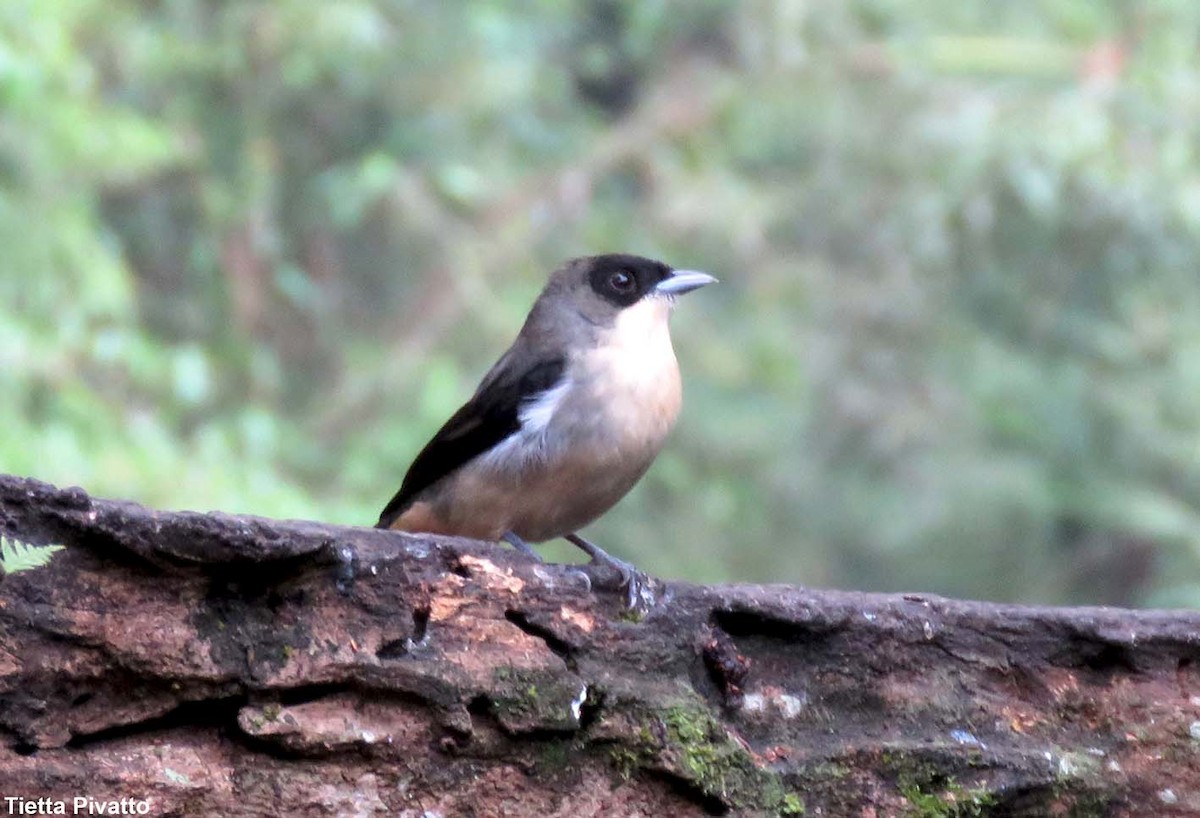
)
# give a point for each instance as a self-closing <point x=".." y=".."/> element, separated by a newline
<point x="525" y="548"/>
<point x="639" y="588"/>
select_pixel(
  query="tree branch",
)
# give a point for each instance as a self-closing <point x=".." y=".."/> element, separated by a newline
<point x="235" y="665"/>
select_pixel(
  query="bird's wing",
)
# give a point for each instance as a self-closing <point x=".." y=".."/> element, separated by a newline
<point x="490" y="416"/>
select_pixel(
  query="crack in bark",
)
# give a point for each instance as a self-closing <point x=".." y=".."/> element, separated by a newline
<point x="404" y="646"/>
<point x="727" y="668"/>
<point x="1101" y="656"/>
<point x="744" y="623"/>
<point x="689" y="790"/>
<point x="558" y="646"/>
<point x="203" y="713"/>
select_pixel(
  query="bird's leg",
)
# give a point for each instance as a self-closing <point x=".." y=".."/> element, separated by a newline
<point x="516" y="542"/>
<point x="636" y="584"/>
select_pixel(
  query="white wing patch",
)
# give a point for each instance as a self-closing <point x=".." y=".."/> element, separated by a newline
<point x="529" y="441"/>
<point x="535" y="414"/>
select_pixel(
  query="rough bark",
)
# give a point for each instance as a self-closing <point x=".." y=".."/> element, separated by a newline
<point x="240" y="666"/>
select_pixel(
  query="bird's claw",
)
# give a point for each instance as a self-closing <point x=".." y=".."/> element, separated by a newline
<point x="639" y="592"/>
<point x="582" y="576"/>
<point x="638" y="587"/>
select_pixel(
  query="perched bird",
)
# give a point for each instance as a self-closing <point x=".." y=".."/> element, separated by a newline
<point x="566" y="422"/>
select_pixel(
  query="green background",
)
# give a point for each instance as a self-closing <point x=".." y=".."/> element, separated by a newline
<point x="253" y="254"/>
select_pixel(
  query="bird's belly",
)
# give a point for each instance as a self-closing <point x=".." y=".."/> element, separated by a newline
<point x="544" y="499"/>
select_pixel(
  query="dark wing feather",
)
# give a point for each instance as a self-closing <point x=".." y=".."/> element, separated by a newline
<point x="491" y="415"/>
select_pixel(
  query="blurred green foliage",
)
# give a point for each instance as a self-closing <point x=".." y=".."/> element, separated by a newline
<point x="254" y="253"/>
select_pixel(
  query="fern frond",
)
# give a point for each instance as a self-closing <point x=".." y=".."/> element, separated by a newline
<point x="18" y="556"/>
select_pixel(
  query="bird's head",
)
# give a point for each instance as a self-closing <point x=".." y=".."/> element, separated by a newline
<point x="602" y="289"/>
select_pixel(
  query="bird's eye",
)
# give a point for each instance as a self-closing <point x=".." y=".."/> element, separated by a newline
<point x="621" y="282"/>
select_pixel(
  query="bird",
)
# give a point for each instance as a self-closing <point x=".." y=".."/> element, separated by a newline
<point x="567" y="420"/>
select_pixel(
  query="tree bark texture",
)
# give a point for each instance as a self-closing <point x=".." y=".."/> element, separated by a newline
<point x="214" y="664"/>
